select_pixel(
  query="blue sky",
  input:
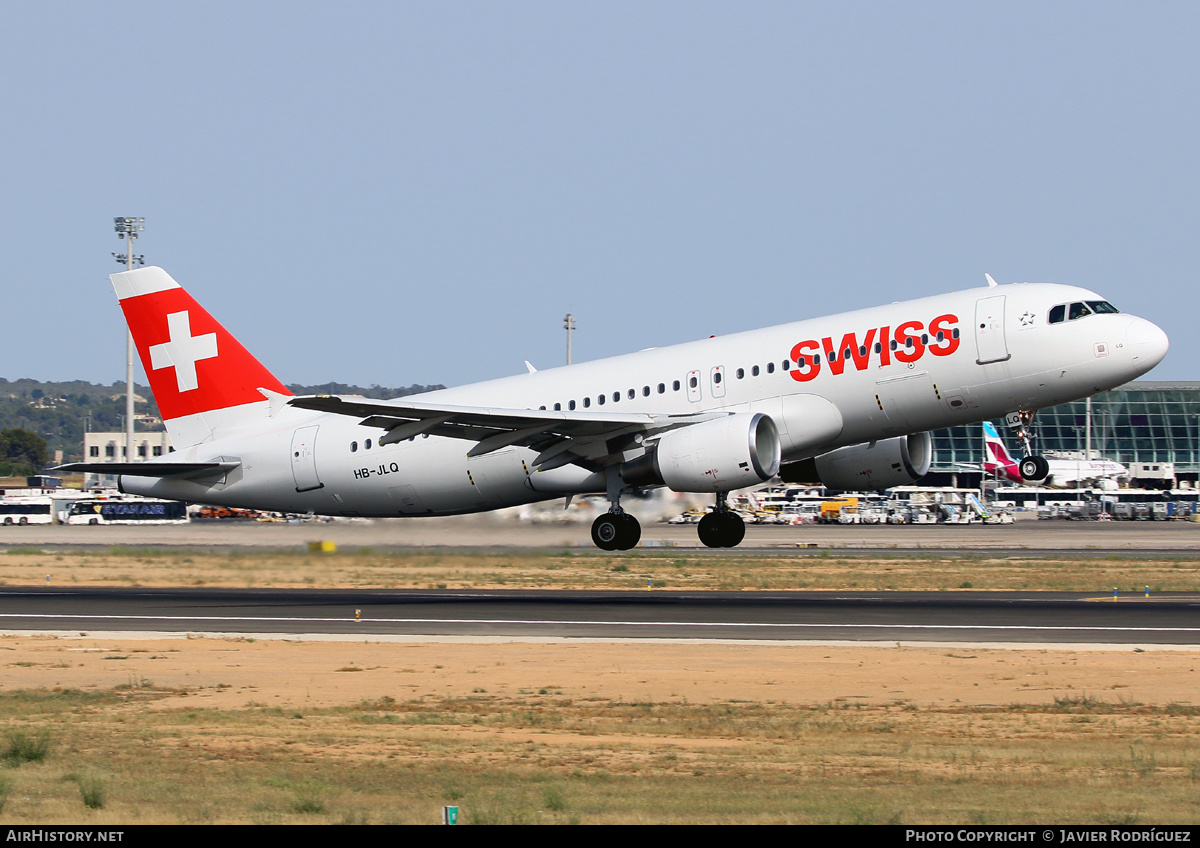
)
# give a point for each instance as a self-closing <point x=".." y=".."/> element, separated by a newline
<point x="387" y="192"/>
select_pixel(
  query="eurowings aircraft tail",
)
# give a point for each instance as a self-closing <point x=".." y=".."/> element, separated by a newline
<point x="205" y="382"/>
<point x="997" y="453"/>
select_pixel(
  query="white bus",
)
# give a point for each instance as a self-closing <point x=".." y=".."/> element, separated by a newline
<point x="27" y="511"/>
<point x="127" y="512"/>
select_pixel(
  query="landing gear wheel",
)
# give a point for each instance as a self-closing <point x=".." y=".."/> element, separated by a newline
<point x="735" y="529"/>
<point x="616" y="531"/>
<point x="721" y="530"/>
<point x="1034" y="468"/>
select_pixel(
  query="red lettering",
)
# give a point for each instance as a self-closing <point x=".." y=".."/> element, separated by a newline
<point x="907" y="344"/>
<point x="860" y="353"/>
<point x="949" y="342"/>
<point x="836" y="363"/>
<point x="804" y="352"/>
<point x="905" y="352"/>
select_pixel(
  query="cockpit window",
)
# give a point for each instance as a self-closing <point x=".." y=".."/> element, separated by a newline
<point x="1064" y="311"/>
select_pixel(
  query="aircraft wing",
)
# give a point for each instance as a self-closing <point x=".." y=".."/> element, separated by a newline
<point x="590" y="438"/>
<point x="152" y="469"/>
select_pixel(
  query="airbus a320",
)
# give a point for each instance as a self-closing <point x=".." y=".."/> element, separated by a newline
<point x="846" y="400"/>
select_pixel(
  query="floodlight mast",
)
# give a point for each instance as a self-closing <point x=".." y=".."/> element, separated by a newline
<point x="569" y="325"/>
<point x="128" y="229"/>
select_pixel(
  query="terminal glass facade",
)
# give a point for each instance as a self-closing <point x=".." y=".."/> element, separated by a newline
<point x="1146" y="421"/>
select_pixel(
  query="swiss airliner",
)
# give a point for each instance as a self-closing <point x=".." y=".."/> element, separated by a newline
<point x="847" y="401"/>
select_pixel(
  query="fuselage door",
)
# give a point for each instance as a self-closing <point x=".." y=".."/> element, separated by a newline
<point x="304" y="461"/>
<point x="989" y="330"/>
<point x="693" y="386"/>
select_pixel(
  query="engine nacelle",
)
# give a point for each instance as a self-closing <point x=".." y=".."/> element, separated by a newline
<point x="714" y="456"/>
<point x="874" y="465"/>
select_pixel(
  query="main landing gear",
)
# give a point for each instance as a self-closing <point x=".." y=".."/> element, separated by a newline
<point x="616" y="530"/>
<point x="721" y="528"/>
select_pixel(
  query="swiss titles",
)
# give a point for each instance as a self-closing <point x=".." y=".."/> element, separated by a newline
<point x="905" y="343"/>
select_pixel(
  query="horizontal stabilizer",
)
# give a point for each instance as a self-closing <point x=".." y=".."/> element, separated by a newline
<point x="152" y="469"/>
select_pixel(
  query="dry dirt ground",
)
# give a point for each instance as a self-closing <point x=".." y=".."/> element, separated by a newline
<point x="238" y="672"/>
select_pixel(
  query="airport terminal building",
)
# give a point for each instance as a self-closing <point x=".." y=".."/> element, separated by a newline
<point x="1144" y="422"/>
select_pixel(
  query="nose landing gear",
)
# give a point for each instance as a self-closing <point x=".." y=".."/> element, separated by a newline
<point x="1032" y="466"/>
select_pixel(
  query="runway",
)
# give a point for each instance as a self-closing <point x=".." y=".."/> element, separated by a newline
<point x="969" y="617"/>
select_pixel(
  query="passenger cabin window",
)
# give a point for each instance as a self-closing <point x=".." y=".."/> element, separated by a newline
<point x="675" y="386"/>
<point x="353" y="447"/>
<point x="754" y="371"/>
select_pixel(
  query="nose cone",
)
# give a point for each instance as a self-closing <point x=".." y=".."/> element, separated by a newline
<point x="1147" y="343"/>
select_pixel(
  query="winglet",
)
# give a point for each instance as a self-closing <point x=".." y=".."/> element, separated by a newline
<point x="991" y="283"/>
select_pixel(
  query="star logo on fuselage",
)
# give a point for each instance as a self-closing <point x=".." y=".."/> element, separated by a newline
<point x="183" y="351"/>
<point x="1027" y="319"/>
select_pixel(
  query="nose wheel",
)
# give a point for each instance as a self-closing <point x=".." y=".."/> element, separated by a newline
<point x="1034" y="468"/>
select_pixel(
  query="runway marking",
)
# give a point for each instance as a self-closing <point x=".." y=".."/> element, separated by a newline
<point x="588" y="623"/>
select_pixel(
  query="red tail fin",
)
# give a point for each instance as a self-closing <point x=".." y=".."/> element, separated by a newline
<point x="194" y="365"/>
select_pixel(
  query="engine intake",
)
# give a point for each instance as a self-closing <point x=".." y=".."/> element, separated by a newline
<point x="714" y="456"/>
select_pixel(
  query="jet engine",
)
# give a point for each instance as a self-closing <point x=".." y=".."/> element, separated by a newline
<point x="714" y="456"/>
<point x="874" y="465"/>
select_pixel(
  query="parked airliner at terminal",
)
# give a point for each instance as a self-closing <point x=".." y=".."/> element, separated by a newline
<point x="846" y="400"/>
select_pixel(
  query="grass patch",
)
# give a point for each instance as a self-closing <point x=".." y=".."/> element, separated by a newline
<point x="586" y="569"/>
<point x="546" y="759"/>
<point x="26" y="746"/>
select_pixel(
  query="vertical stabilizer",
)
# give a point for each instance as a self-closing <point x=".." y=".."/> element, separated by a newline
<point x="201" y="376"/>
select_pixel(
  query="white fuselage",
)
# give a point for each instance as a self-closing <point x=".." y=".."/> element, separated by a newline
<point x="1005" y="357"/>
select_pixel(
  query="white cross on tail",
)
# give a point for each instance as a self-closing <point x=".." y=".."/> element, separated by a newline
<point x="183" y="351"/>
